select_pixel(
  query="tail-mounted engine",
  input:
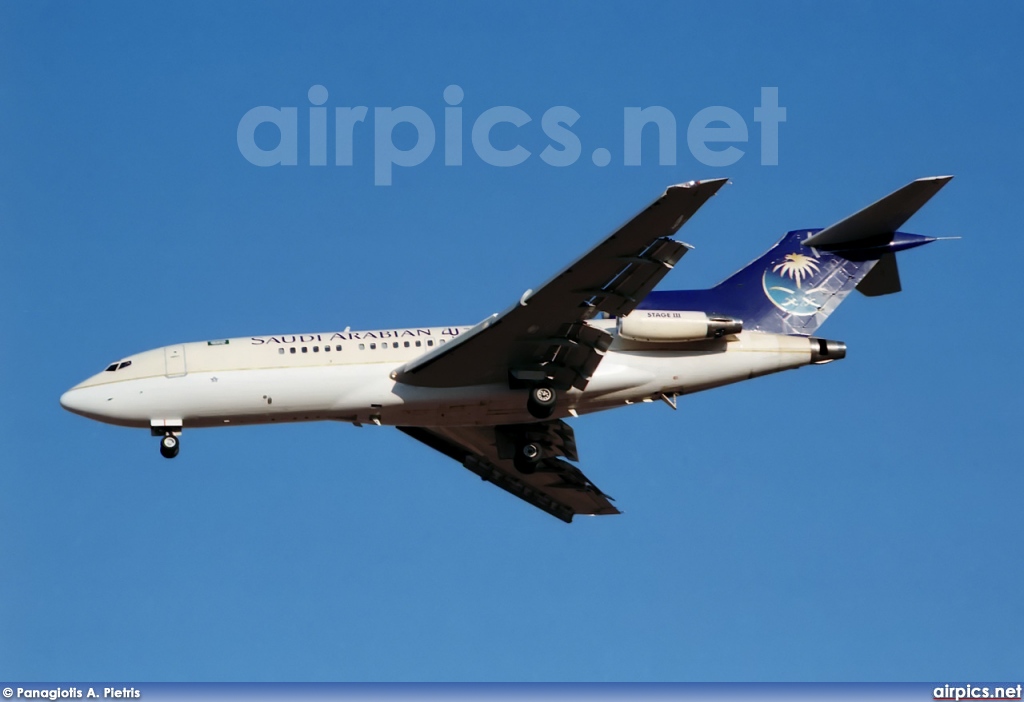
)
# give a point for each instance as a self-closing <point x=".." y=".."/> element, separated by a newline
<point x="666" y="326"/>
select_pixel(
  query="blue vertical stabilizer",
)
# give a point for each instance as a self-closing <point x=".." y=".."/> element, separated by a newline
<point x="793" y="287"/>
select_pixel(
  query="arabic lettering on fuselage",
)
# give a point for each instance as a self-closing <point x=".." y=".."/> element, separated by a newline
<point x="354" y="335"/>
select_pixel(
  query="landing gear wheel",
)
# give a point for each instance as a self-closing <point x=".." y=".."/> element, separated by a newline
<point x="542" y="402"/>
<point x="526" y="458"/>
<point x="169" y="446"/>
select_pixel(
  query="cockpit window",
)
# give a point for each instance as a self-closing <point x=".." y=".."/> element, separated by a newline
<point x="118" y="366"/>
<point x="112" y="367"/>
<point x="124" y="364"/>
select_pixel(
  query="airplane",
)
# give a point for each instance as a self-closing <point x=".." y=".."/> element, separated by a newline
<point x="495" y="396"/>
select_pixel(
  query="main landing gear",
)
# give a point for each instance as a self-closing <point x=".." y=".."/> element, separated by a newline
<point x="541" y="403"/>
<point x="169" y="446"/>
<point x="526" y="457"/>
<point x="529" y="454"/>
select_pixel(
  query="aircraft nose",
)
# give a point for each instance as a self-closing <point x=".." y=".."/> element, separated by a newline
<point x="79" y="400"/>
<point x="71" y="400"/>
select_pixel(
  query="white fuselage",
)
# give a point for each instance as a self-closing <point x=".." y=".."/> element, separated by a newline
<point x="347" y="376"/>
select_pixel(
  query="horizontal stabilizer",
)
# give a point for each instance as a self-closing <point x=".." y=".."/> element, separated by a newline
<point x="880" y="219"/>
<point x="882" y="279"/>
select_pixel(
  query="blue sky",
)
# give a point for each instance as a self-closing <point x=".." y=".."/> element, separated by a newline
<point x="858" y="521"/>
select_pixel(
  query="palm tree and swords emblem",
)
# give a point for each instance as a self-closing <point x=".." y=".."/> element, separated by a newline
<point x="783" y="284"/>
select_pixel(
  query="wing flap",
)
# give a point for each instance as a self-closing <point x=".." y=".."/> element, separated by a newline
<point x="637" y="279"/>
<point x="556" y="486"/>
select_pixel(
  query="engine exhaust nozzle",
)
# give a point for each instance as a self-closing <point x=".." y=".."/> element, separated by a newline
<point x="826" y="351"/>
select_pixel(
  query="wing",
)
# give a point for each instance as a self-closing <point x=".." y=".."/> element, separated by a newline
<point x="554" y="485"/>
<point x="544" y="336"/>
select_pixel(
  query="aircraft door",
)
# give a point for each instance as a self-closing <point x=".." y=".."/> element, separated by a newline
<point x="174" y="356"/>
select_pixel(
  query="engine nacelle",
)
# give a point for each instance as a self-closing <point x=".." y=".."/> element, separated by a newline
<point x="670" y="325"/>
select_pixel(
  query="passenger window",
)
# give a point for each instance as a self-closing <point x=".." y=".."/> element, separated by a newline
<point x="338" y="347"/>
<point x="327" y="348"/>
<point x="280" y="349"/>
<point x="419" y="343"/>
<point x="441" y="341"/>
<point x="362" y="347"/>
<point x="373" y="346"/>
<point x="305" y="349"/>
<point x="316" y="349"/>
<point x="430" y="342"/>
<point x="406" y="344"/>
<point x="292" y="349"/>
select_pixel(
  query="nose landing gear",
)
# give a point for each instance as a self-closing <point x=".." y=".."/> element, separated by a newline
<point x="169" y="446"/>
<point x="168" y="430"/>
